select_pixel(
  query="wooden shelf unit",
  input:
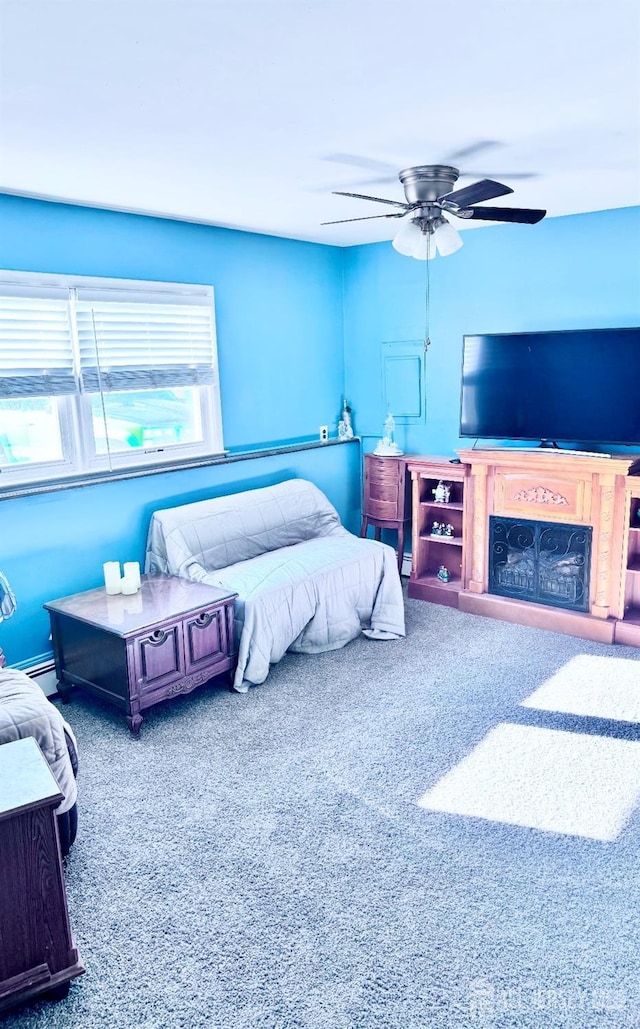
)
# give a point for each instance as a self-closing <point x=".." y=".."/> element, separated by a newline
<point x="430" y="551"/>
<point x="576" y="489"/>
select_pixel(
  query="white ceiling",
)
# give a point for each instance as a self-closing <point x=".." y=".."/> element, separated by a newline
<point x="245" y="113"/>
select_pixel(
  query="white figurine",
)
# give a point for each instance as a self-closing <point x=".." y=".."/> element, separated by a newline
<point x="345" y="428"/>
<point x="387" y="446"/>
<point x="441" y="493"/>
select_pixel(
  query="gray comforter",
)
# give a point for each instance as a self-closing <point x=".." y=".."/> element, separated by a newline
<point x="304" y="582"/>
<point x="25" y="711"/>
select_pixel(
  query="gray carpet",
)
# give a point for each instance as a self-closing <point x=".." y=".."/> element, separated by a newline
<point x="263" y="861"/>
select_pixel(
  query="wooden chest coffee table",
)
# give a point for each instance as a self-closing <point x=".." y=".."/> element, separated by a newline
<point x="136" y="651"/>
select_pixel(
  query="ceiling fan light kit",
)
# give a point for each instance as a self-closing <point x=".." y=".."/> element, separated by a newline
<point x="428" y="192"/>
<point x="421" y="237"/>
<point x="410" y="241"/>
<point x="448" y="239"/>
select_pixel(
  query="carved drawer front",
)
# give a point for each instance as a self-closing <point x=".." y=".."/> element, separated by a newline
<point x="159" y="657"/>
<point x="383" y="470"/>
<point x="205" y="637"/>
<point x="545" y="496"/>
<point x="384" y="509"/>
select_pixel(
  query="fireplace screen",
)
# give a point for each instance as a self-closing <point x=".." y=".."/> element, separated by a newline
<point x="542" y="562"/>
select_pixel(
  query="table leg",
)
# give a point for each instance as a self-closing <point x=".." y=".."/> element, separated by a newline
<point x="64" y="691"/>
<point x="400" y="547"/>
<point x="134" y="718"/>
<point x="134" y="722"/>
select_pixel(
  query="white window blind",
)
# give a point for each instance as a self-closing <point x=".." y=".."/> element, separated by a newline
<point x="141" y="341"/>
<point x="100" y="373"/>
<point x="36" y="347"/>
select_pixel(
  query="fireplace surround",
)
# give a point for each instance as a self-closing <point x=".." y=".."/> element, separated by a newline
<point x="585" y="507"/>
<point x="575" y="490"/>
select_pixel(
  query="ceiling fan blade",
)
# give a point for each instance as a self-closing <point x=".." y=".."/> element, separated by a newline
<point x="505" y="175"/>
<point x="369" y="163"/>
<point x="473" y="148"/>
<point x="486" y="189"/>
<point x="381" y="180"/>
<point x="379" y="200"/>
<point x="526" y="215"/>
<point x="367" y="217"/>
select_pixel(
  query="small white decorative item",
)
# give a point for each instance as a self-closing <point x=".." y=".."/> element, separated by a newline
<point x="387" y="446"/>
<point x="131" y="570"/>
<point x="8" y="604"/>
<point x="345" y="427"/>
<point x="131" y="578"/>
<point x="112" y="580"/>
<point x="441" y="493"/>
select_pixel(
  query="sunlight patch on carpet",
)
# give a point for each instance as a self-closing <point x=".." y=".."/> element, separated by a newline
<point x="545" y="779"/>
<point x="601" y="687"/>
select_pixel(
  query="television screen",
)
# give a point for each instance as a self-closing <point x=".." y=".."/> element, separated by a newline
<point x="579" y="385"/>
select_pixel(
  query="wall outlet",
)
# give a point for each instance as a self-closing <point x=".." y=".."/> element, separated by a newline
<point x="324" y="433"/>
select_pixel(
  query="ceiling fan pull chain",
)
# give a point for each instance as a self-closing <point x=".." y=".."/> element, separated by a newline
<point x="427" y="296"/>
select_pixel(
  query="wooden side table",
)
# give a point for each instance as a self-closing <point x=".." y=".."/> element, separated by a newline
<point x="37" y="952"/>
<point x="136" y="651"/>
<point x="386" y="500"/>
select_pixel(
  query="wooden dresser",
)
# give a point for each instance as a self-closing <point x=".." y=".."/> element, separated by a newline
<point x="37" y="952"/>
<point x="386" y="500"/>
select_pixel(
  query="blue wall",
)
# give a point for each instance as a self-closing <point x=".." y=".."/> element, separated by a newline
<point x="278" y="303"/>
<point x="54" y="544"/>
<point x="281" y="308"/>
<point x="280" y="345"/>
<point x="579" y="271"/>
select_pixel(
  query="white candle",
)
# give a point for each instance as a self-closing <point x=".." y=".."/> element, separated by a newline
<point x="112" y="582"/>
<point x="131" y="570"/>
<point x="128" y="585"/>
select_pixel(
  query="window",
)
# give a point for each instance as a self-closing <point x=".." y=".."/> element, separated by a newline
<point x="99" y="374"/>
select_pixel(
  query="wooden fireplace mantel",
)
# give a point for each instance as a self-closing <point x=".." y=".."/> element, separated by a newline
<point x="549" y="486"/>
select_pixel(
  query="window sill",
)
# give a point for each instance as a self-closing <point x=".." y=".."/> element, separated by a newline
<point x="29" y="489"/>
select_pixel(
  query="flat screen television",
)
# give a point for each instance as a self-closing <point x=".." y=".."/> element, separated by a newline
<point x="576" y="386"/>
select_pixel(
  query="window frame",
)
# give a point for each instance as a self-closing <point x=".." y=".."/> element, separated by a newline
<point x="74" y="409"/>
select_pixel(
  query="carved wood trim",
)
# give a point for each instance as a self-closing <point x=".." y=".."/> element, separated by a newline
<point x="479" y="534"/>
<point x="540" y="495"/>
<point x="188" y="683"/>
<point x="603" y="548"/>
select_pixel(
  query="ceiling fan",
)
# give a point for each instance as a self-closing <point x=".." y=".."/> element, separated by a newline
<point x="429" y="196"/>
